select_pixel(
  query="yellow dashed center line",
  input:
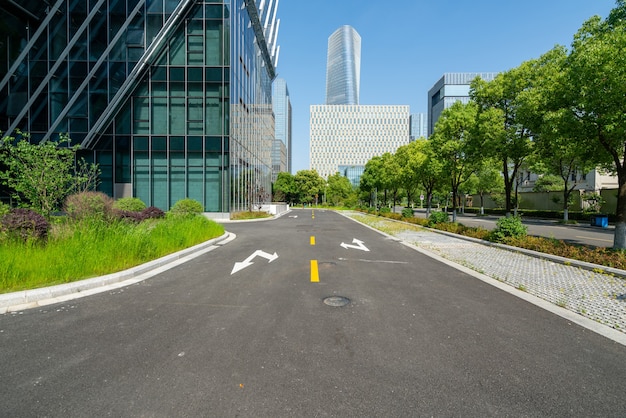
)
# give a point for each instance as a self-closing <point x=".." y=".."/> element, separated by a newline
<point x="315" y="275"/>
<point x="312" y="240"/>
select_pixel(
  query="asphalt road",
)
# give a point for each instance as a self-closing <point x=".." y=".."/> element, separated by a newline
<point x="216" y="338"/>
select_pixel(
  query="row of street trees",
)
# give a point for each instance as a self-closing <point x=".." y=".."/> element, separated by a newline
<point x="560" y="114"/>
<point x="308" y="187"/>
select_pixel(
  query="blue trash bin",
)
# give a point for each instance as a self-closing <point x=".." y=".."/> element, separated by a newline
<point x="600" y="220"/>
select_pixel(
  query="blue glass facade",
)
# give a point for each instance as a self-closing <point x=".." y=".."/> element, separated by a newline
<point x="451" y="88"/>
<point x="281" y="153"/>
<point x="172" y="98"/>
<point x="343" y="67"/>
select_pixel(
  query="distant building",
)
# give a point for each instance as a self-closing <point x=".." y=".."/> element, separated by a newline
<point x="352" y="173"/>
<point x="451" y="88"/>
<point x="171" y="98"/>
<point x="281" y="150"/>
<point x="343" y="67"/>
<point x="419" y="126"/>
<point x="343" y="136"/>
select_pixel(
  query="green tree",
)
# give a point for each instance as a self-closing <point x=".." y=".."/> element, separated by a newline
<point x="390" y="177"/>
<point x="489" y="181"/>
<point x="557" y="151"/>
<point x="408" y="157"/>
<point x="285" y="188"/>
<point x="453" y="144"/>
<point x="429" y="170"/>
<point x="503" y="118"/>
<point x="596" y="81"/>
<point x="548" y="183"/>
<point x="371" y="179"/>
<point x="339" y="189"/>
<point x="40" y="176"/>
<point x="309" y="185"/>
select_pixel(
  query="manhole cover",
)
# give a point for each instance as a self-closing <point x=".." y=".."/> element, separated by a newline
<point x="336" y="301"/>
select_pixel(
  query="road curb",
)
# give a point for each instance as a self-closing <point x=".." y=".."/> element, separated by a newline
<point x="26" y="299"/>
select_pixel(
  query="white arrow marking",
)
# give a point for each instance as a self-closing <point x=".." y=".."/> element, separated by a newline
<point x="240" y="265"/>
<point x="359" y="245"/>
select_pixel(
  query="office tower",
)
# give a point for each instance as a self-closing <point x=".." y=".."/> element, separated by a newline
<point x="419" y="126"/>
<point x="450" y="88"/>
<point x="172" y="98"/>
<point x="343" y="67"/>
<point x="345" y="137"/>
<point x="281" y="151"/>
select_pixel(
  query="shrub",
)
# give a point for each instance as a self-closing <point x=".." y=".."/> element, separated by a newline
<point x="390" y="215"/>
<point x="128" y="215"/>
<point x="133" y="204"/>
<point x="437" y="218"/>
<point x="152" y="213"/>
<point x="385" y="209"/>
<point x="4" y="209"/>
<point x="187" y="207"/>
<point x="407" y="213"/>
<point x="89" y="205"/>
<point x="25" y="224"/>
<point x="508" y="227"/>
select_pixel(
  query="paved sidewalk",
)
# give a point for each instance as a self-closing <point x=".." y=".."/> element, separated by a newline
<point x="592" y="294"/>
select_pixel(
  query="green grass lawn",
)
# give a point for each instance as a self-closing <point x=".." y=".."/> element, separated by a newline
<point x="92" y="248"/>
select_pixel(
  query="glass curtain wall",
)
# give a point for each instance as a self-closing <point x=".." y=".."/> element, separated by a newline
<point x="177" y="117"/>
<point x="252" y="118"/>
<point x="153" y="96"/>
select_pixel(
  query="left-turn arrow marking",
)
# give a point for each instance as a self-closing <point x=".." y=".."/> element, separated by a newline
<point x="240" y="265"/>
<point x="360" y="245"/>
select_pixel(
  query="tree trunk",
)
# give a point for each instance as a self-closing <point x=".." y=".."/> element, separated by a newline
<point x="454" y="205"/>
<point x="619" y="240"/>
<point x="566" y="194"/>
<point x="508" y="189"/>
<point x="482" y="204"/>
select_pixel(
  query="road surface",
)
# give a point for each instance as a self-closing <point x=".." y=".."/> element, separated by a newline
<point x="249" y="330"/>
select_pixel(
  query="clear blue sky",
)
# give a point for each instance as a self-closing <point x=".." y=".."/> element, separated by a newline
<point x="407" y="45"/>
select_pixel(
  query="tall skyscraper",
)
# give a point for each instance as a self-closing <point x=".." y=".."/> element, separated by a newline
<point x="452" y="87"/>
<point x="172" y="98"/>
<point x="281" y="151"/>
<point x="343" y="67"/>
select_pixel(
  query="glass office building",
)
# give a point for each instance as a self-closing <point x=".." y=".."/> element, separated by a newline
<point x="172" y="98"/>
<point x="451" y="88"/>
<point x="281" y="153"/>
<point x="343" y="67"/>
<point x="419" y="126"/>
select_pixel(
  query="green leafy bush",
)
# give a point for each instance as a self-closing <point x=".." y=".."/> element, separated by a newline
<point x="89" y="205"/>
<point x="407" y="212"/>
<point x="508" y="227"/>
<point x="187" y="207"/>
<point x="437" y="218"/>
<point x="385" y="209"/>
<point x="132" y="204"/>
<point x="4" y="209"/>
<point x="25" y="224"/>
